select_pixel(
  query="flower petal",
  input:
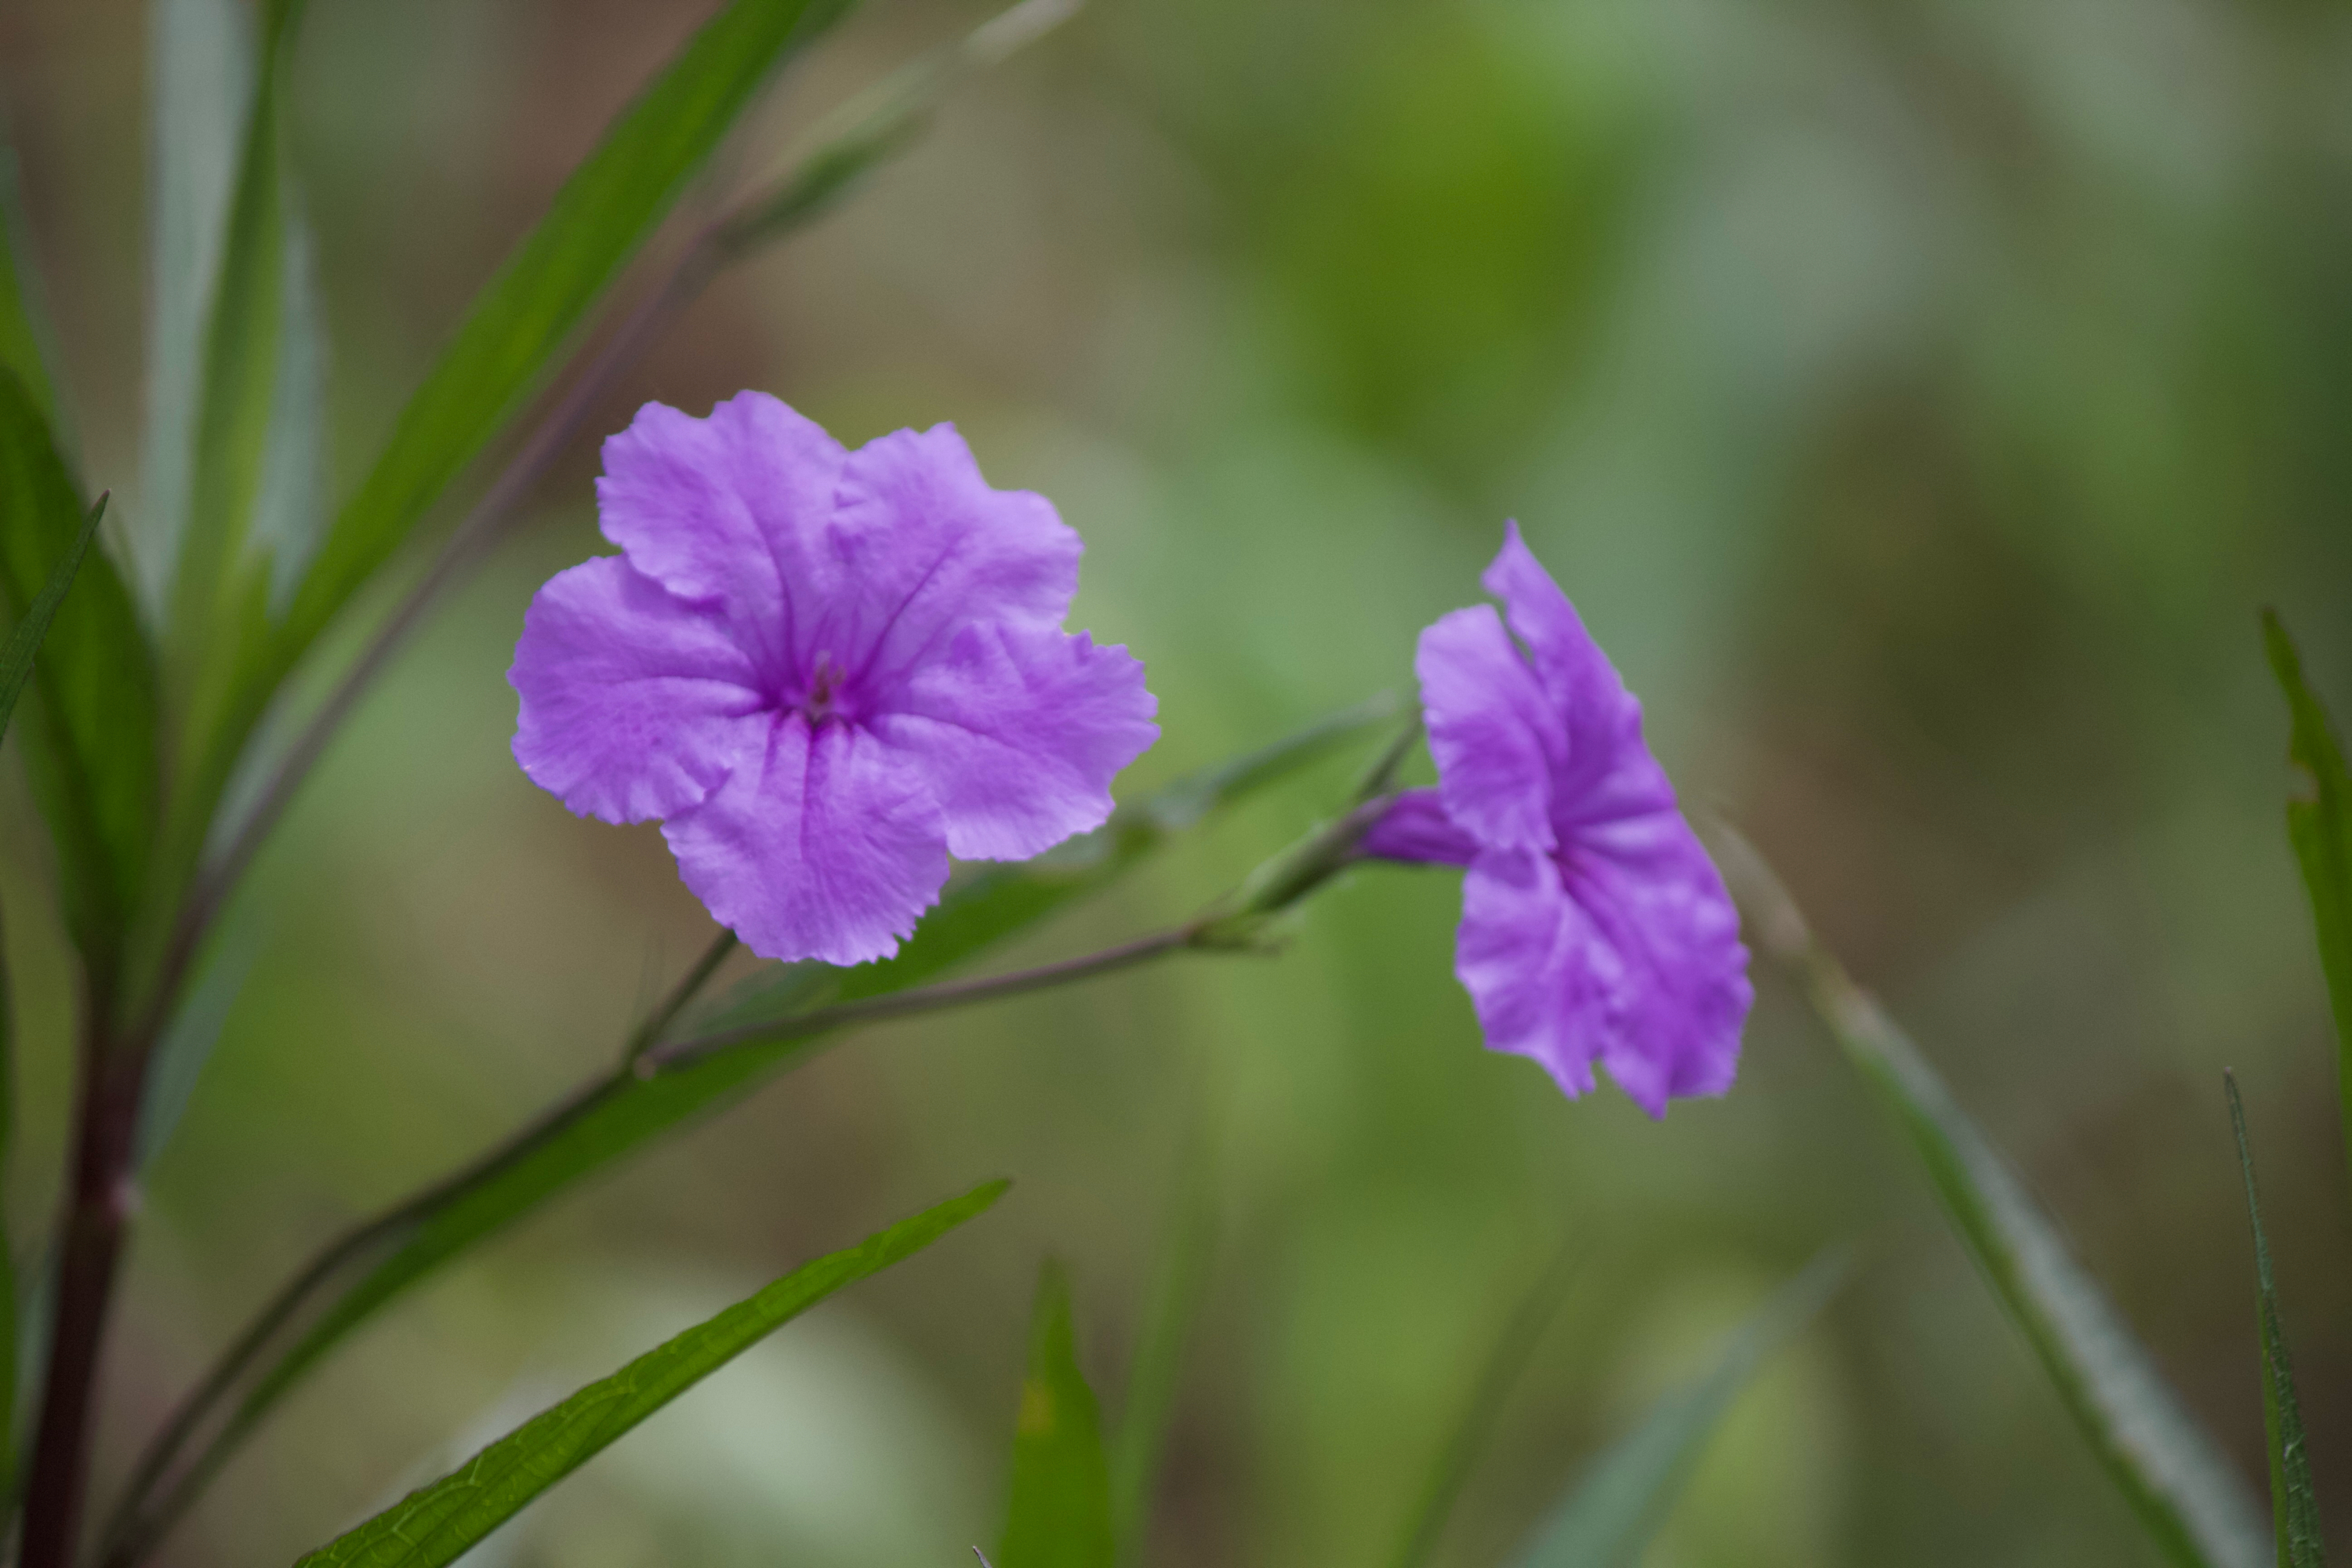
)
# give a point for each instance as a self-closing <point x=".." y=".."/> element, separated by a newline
<point x="823" y="846"/>
<point x="923" y="548"/>
<point x="1633" y="960"/>
<point x="1683" y="993"/>
<point x="731" y="510"/>
<point x="1020" y="730"/>
<point x="1416" y="828"/>
<point x="1490" y="728"/>
<point x="633" y="699"/>
<point x="1603" y="770"/>
<point x="1535" y="968"/>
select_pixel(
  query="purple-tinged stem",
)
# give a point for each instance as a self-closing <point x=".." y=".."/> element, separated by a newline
<point x="926" y="999"/>
<point x="97" y="1213"/>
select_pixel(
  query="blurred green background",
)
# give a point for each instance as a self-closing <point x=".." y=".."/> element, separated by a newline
<point x="1919" y="399"/>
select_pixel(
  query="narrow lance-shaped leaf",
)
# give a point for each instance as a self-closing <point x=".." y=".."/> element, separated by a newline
<point x="613" y="1118"/>
<point x="2189" y="1497"/>
<point x="2320" y="827"/>
<point x="1505" y="1360"/>
<point x="255" y="455"/>
<point x="16" y="660"/>
<point x="89" y="735"/>
<point x="1058" y="1515"/>
<point x="437" y="1523"/>
<point x="1611" y="1514"/>
<point x="200" y="94"/>
<point x="1181" y="1282"/>
<point x="880" y="123"/>
<point x="2295" y="1506"/>
<point x="24" y="644"/>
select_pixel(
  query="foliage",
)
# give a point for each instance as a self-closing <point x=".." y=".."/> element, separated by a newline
<point x="1609" y="1514"/>
<point x="438" y="1523"/>
<point x="1059" y="1512"/>
<point x="1479" y="257"/>
<point x="2319" y="826"/>
<point x="2295" y="1509"/>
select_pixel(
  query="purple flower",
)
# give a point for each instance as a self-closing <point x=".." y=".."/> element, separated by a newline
<point x="1594" y="928"/>
<point x="825" y="671"/>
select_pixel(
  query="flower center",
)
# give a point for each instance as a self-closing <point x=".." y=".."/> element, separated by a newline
<point x="824" y="692"/>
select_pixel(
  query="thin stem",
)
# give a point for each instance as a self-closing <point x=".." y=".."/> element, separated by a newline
<point x="97" y="1213"/>
<point x="928" y="999"/>
<point x="1233" y="926"/>
<point x="131" y="1533"/>
<point x="136" y="1527"/>
<point x="1505" y="1361"/>
<point x="689" y="984"/>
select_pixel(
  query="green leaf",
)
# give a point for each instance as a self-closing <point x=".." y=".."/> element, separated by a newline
<point x="616" y="1116"/>
<point x="186" y="1045"/>
<point x="1504" y="1360"/>
<point x="1059" y="1512"/>
<point x="24" y="644"/>
<point x="200" y="80"/>
<point x="2295" y="1506"/>
<point x="90" y="731"/>
<point x="2192" y="1501"/>
<point x="254" y="499"/>
<point x="1182" y="1281"/>
<point x="515" y="328"/>
<point x="882" y="123"/>
<point x="2320" y="827"/>
<point x="438" y="1523"/>
<point x="1611" y="1514"/>
<point x="8" y="1325"/>
<point x="26" y="348"/>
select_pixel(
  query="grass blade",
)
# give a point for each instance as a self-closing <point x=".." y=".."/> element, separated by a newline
<point x="24" y="644"/>
<point x="1506" y="1359"/>
<point x="2189" y="1497"/>
<point x="90" y="738"/>
<point x="2295" y="1506"/>
<point x="438" y="1523"/>
<point x="1182" y="1281"/>
<point x="200" y="75"/>
<point x="256" y="460"/>
<point x="371" y="1267"/>
<point x="2320" y="827"/>
<point x="1059" y="1512"/>
<point x="1611" y="1514"/>
<point x="880" y="123"/>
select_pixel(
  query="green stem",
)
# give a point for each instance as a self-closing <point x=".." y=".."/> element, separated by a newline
<point x="689" y="984"/>
<point x="928" y="999"/>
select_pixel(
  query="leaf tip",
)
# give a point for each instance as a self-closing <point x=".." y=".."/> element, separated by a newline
<point x="2286" y="663"/>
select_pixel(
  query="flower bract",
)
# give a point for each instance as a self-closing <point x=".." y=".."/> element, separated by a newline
<point x="1594" y="927"/>
<point x="824" y="671"/>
